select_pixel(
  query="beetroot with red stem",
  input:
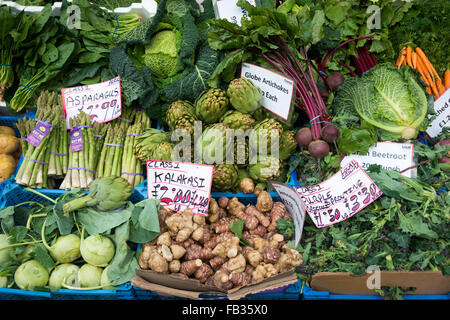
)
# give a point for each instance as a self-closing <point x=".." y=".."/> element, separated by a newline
<point x="335" y="80"/>
<point x="319" y="149"/>
<point x="330" y="133"/>
<point x="304" y="137"/>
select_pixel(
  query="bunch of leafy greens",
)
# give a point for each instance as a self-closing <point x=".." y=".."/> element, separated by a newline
<point x="386" y="103"/>
<point x="321" y="25"/>
<point x="135" y="224"/>
<point x="41" y="51"/>
<point x="425" y="25"/>
<point x="166" y="58"/>
<point x="405" y="229"/>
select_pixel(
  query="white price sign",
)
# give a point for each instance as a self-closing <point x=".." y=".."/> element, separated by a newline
<point x="340" y="197"/>
<point x="294" y="206"/>
<point x="180" y="185"/>
<point x="442" y="110"/>
<point x="228" y="9"/>
<point x="277" y="89"/>
<point x="389" y="155"/>
<point x="101" y="101"/>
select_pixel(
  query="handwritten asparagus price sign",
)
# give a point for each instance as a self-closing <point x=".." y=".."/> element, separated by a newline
<point x="180" y="185"/>
<point x="277" y="90"/>
<point x="340" y="197"/>
<point x="101" y="101"/>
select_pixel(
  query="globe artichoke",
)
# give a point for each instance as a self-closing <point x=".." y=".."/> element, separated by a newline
<point x="211" y="105"/>
<point x="238" y="120"/>
<point x="225" y="177"/>
<point x="185" y="122"/>
<point x="162" y="152"/>
<point x="269" y="130"/>
<point x="288" y="144"/>
<point x="177" y="110"/>
<point x="213" y="144"/>
<point x="107" y="193"/>
<point x="244" y="95"/>
<point x="265" y="169"/>
<point x="148" y="141"/>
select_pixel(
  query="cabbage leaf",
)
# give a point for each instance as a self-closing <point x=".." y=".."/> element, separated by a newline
<point x="391" y="100"/>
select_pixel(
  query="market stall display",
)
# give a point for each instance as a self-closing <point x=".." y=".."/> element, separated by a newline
<point x="305" y="111"/>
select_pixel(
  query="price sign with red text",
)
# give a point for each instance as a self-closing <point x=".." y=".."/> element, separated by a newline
<point x="180" y="185"/>
<point x="101" y="101"/>
<point x="340" y="197"/>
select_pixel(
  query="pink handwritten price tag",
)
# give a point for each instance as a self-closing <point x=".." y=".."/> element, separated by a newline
<point x="180" y="185"/>
<point x="340" y="197"/>
<point x="101" y="101"/>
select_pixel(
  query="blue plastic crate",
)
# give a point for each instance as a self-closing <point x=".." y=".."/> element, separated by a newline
<point x="14" y="194"/>
<point x="310" y="294"/>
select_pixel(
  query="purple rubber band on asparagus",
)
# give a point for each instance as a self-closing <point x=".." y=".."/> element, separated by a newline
<point x="59" y="154"/>
<point x="127" y="120"/>
<point x="36" y="161"/>
<point x="133" y="135"/>
<point x="76" y="168"/>
<point x="132" y="174"/>
<point x="99" y="136"/>
<point x="113" y="145"/>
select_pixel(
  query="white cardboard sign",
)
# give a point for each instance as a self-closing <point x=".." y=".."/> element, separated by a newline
<point x="101" y="101"/>
<point x="340" y="197"/>
<point x="389" y="155"/>
<point x="180" y="185"/>
<point x="442" y="120"/>
<point x="294" y="206"/>
<point x="277" y="89"/>
<point x="228" y="9"/>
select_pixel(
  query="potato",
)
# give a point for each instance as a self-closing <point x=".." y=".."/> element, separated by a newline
<point x="7" y="130"/>
<point x="7" y="166"/>
<point x="8" y="144"/>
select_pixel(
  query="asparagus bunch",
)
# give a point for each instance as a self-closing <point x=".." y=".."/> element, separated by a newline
<point x="82" y="164"/>
<point x="142" y="118"/>
<point x="110" y="162"/>
<point x="132" y="169"/>
<point x="59" y="152"/>
<point x="34" y="168"/>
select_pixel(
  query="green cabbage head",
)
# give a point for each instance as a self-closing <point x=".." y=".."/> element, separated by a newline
<point x="161" y="54"/>
<point x="391" y="100"/>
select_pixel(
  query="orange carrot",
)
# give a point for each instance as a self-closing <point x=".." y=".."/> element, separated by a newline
<point x="414" y="59"/>
<point x="423" y="71"/>
<point x="440" y="87"/>
<point x="427" y="62"/>
<point x="447" y="79"/>
<point x="400" y="61"/>
<point x="428" y="90"/>
<point x="408" y="56"/>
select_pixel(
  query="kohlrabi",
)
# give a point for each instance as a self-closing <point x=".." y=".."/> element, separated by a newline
<point x="389" y="99"/>
<point x="96" y="249"/>
<point x="65" y="249"/>
<point x="64" y="274"/>
<point x="90" y="276"/>
<point x="106" y="284"/>
<point x="4" y="243"/>
<point x="31" y="274"/>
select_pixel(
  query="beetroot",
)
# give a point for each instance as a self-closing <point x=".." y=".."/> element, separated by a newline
<point x="335" y="80"/>
<point x="304" y="137"/>
<point x="319" y="149"/>
<point x="330" y="133"/>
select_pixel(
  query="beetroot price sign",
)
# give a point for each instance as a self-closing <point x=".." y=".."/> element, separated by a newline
<point x="180" y="185"/>
<point x="340" y="197"/>
<point x="101" y="101"/>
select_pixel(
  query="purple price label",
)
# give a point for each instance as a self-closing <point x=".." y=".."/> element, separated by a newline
<point x="76" y="139"/>
<point x="38" y="133"/>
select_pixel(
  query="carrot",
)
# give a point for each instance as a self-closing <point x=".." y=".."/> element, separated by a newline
<point x="400" y="61"/>
<point x="408" y="56"/>
<point x="428" y="90"/>
<point x="414" y="59"/>
<point x="423" y="71"/>
<point x="440" y="87"/>
<point x="447" y="79"/>
<point x="427" y="62"/>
